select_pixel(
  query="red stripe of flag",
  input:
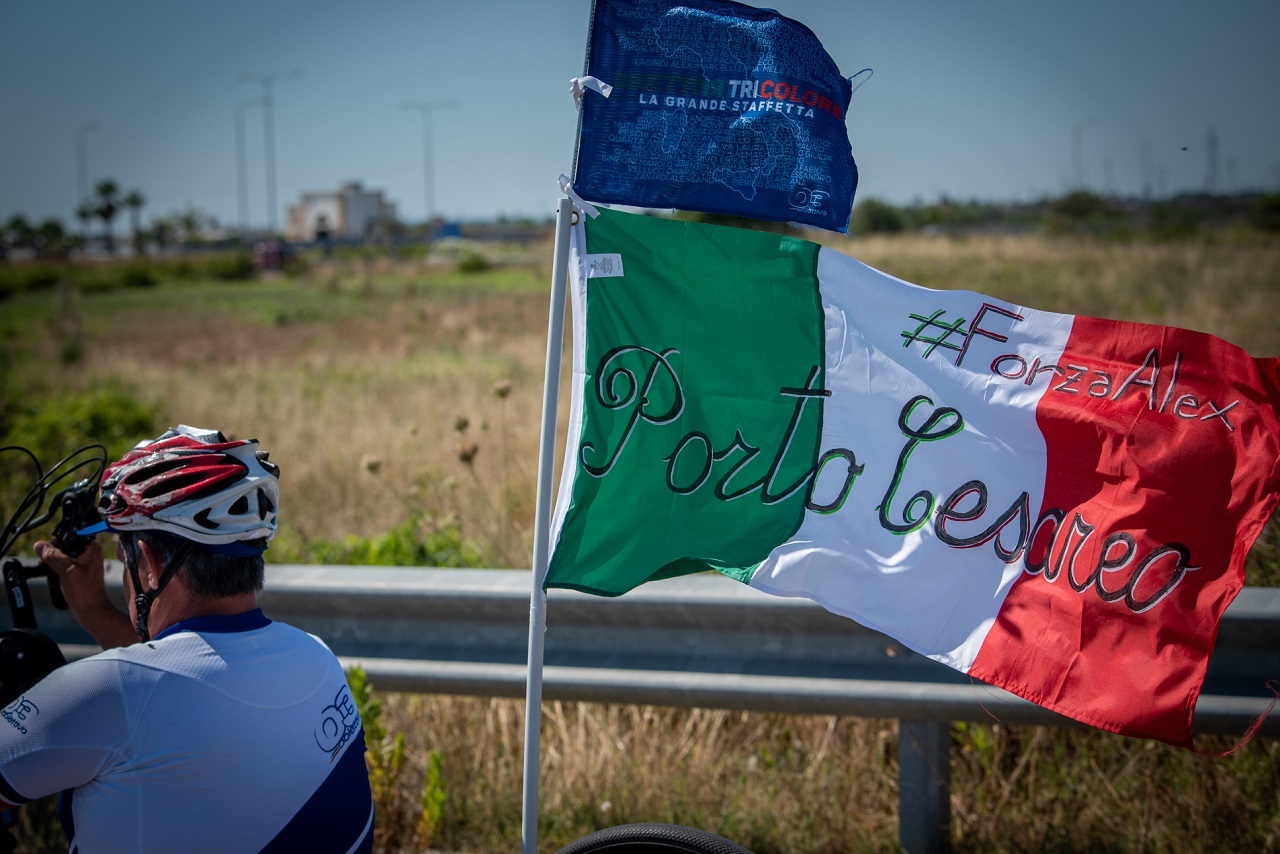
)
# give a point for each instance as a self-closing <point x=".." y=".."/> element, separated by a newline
<point x="1162" y="449"/>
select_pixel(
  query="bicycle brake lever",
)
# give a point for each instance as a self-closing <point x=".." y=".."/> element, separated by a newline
<point x="78" y="512"/>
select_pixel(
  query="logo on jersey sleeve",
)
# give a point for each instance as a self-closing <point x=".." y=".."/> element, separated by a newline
<point x="19" y="713"/>
<point x="339" y="721"/>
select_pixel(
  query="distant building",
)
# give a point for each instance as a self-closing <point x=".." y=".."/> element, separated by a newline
<point x="350" y="212"/>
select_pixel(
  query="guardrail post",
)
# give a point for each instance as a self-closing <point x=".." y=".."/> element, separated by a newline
<point x="924" y="786"/>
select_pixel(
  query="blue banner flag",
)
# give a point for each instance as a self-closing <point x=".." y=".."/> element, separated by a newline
<point x="717" y="107"/>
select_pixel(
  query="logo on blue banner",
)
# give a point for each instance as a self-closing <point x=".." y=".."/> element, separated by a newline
<point x="716" y="107"/>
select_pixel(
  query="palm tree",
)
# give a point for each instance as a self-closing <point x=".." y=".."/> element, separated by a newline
<point x="134" y="201"/>
<point x="16" y="234"/>
<point x="50" y="239"/>
<point x="108" y="205"/>
<point x="191" y="221"/>
<point x="161" y="232"/>
<point x="85" y="212"/>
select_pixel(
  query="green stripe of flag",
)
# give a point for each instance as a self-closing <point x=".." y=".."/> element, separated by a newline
<point x="702" y="403"/>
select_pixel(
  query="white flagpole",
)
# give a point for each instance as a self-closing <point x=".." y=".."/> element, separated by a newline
<point x="542" y="530"/>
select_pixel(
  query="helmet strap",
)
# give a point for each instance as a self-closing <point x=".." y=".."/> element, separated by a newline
<point x="143" y="599"/>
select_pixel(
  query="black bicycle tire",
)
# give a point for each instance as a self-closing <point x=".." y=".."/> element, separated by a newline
<point x="655" y="837"/>
<point x="26" y="657"/>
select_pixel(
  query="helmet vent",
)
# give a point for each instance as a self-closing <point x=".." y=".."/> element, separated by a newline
<point x="202" y="519"/>
<point x="156" y="469"/>
<point x="173" y="484"/>
<point x="264" y="504"/>
<point x="272" y="468"/>
<point x="240" y="506"/>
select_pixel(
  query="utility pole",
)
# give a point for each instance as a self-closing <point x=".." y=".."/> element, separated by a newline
<point x="428" y="164"/>
<point x="82" y="158"/>
<point x="1146" y="170"/>
<point x="1211" y="162"/>
<point x="268" y="131"/>
<point x="1077" y="150"/>
<point x="82" y="173"/>
<point x="242" y="181"/>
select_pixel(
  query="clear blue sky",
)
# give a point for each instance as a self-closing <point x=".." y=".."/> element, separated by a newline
<point x="969" y="99"/>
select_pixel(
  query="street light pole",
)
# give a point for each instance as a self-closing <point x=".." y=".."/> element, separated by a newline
<point x="428" y="166"/>
<point x="82" y="168"/>
<point x="242" y="181"/>
<point x="1077" y="150"/>
<point x="268" y="131"/>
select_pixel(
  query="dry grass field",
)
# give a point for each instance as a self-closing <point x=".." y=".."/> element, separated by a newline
<point x="399" y="400"/>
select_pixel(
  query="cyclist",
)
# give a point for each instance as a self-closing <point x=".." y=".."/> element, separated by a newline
<point x="204" y="726"/>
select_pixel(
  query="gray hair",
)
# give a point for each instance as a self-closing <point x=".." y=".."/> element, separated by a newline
<point x="207" y="574"/>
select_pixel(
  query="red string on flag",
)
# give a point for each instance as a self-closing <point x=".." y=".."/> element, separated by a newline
<point x="1274" y="687"/>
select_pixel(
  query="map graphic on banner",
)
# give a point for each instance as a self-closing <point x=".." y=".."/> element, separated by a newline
<point x="715" y="107"/>
<point x="1057" y="505"/>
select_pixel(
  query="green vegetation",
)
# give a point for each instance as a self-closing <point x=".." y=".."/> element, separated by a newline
<point x="876" y="217"/>
<point x="1265" y="214"/>
<point x="1248" y="218"/>
<point x="1080" y="212"/>
<point x="135" y="273"/>
<point x="55" y="425"/>
<point x="402" y="820"/>
<point x="472" y="262"/>
<point x="779" y="784"/>
<point x="415" y="542"/>
<point x="20" y="278"/>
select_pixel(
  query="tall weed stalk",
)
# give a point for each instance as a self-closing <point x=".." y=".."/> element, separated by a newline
<point x="402" y="821"/>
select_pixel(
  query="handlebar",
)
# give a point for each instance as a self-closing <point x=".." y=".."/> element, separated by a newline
<point x="76" y="510"/>
<point x="27" y="655"/>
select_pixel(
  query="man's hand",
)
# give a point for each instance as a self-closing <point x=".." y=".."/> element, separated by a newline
<point x="85" y="590"/>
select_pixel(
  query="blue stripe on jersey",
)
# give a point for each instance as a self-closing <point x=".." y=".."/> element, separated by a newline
<point x="336" y="817"/>
<point x="66" y="819"/>
<point x="219" y="624"/>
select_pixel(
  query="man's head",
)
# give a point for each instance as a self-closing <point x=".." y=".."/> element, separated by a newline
<point x="207" y="574"/>
<point x="196" y="504"/>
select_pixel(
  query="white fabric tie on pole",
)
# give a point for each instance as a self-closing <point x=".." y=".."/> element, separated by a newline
<point x="542" y="528"/>
<point x="580" y="203"/>
<point x="579" y="85"/>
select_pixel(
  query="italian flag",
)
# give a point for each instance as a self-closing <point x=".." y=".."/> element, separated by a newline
<point x="1060" y="506"/>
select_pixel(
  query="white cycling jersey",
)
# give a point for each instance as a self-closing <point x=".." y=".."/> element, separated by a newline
<point x="222" y="734"/>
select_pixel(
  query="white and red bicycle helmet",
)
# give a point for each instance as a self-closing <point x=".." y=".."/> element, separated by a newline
<point x="197" y="485"/>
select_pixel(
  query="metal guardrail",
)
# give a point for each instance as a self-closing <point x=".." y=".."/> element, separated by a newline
<point x="699" y="641"/>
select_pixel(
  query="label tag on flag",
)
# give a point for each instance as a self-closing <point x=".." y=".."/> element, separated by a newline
<point x="603" y="266"/>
